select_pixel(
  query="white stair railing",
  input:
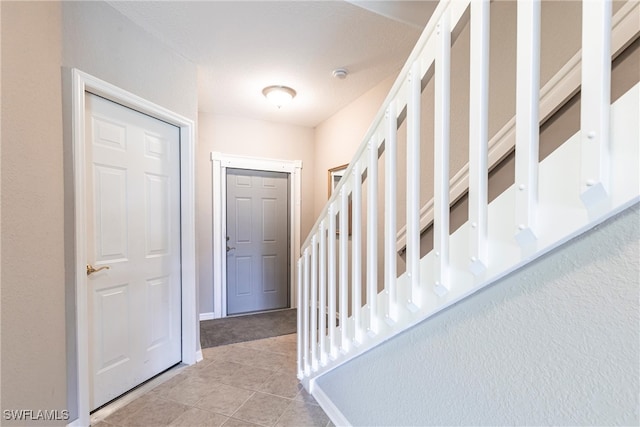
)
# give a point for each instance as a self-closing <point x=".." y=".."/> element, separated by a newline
<point x="335" y="321"/>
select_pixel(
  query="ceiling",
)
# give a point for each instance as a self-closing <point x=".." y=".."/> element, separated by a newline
<point x="240" y="47"/>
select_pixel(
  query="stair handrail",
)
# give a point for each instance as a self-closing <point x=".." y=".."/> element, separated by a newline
<point x="516" y="237"/>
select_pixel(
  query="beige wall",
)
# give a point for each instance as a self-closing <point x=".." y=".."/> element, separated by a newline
<point x="33" y="284"/>
<point x="38" y="301"/>
<point x="338" y="137"/>
<point x="252" y="138"/>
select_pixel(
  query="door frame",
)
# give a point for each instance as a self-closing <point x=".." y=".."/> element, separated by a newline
<point x="80" y="84"/>
<point x="221" y="162"/>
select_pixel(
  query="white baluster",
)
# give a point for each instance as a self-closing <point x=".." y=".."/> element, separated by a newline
<point x="527" y="119"/>
<point x="332" y="282"/>
<point x="322" y="284"/>
<point x="390" y="153"/>
<point x="314" y="303"/>
<point x="595" y="101"/>
<point x="413" y="187"/>
<point x="300" y="338"/>
<point x="356" y="251"/>
<point x="344" y="268"/>
<point x="372" y="237"/>
<point x="305" y="313"/>
<point x="441" y="156"/>
<point x="478" y="135"/>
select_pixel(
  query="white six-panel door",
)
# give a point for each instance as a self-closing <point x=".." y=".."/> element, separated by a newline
<point x="133" y="214"/>
<point x="258" y="241"/>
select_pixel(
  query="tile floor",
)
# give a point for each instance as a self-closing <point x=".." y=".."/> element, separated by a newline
<point x="246" y="384"/>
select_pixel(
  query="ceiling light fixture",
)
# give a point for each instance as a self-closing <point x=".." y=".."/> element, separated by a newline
<point x="279" y="95"/>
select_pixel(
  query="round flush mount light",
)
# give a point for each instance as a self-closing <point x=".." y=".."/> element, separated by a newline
<point x="279" y="95"/>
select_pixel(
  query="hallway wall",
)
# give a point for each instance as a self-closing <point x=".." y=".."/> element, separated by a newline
<point x="33" y="282"/>
<point x="41" y="41"/>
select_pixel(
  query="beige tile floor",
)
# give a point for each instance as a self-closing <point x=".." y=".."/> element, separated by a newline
<point x="246" y="384"/>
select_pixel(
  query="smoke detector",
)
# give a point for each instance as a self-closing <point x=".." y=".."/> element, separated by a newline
<point x="340" y="73"/>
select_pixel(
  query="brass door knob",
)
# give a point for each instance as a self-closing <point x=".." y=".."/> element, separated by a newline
<point x="91" y="269"/>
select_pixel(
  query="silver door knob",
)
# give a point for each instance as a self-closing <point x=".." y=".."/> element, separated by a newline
<point x="229" y="248"/>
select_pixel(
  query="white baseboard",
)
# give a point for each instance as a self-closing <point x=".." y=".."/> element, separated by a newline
<point x="329" y="408"/>
<point x="76" y="423"/>
<point x="206" y="316"/>
<point x="199" y="356"/>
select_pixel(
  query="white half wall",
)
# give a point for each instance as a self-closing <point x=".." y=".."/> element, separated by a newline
<point x="555" y="343"/>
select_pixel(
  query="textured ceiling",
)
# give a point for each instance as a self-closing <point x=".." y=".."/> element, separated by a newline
<point x="240" y="47"/>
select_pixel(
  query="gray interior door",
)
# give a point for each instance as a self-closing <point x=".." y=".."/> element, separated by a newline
<point x="257" y="241"/>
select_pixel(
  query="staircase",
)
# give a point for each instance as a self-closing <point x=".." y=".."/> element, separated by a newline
<point x="351" y="292"/>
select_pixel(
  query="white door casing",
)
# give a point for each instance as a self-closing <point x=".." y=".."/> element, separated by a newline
<point x="80" y="84"/>
<point x="257" y="241"/>
<point x="133" y="236"/>
<point x="220" y="163"/>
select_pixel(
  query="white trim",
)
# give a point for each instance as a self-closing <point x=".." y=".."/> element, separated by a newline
<point x="561" y="87"/>
<point x="221" y="162"/>
<point x="206" y="316"/>
<point x="76" y="423"/>
<point x="327" y="405"/>
<point x="81" y="83"/>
